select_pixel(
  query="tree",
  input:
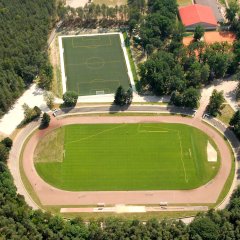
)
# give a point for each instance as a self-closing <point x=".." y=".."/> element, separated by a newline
<point x="198" y="32"/>
<point x="191" y="97"/>
<point x="49" y="99"/>
<point x="4" y="153"/>
<point x="232" y="11"/>
<point x="162" y="74"/>
<point x="46" y="76"/>
<point x="219" y="58"/>
<point x="132" y="25"/>
<point x="45" y="120"/>
<point x="235" y="118"/>
<point x="30" y="113"/>
<point x="204" y="228"/>
<point x="36" y="112"/>
<point x="120" y="96"/>
<point x="7" y="142"/>
<point x="129" y="96"/>
<point x="235" y="122"/>
<point x="205" y="73"/>
<point x="216" y="103"/>
<point x="70" y="98"/>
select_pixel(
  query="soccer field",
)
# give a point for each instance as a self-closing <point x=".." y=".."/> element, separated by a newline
<point x="125" y="157"/>
<point x="94" y="64"/>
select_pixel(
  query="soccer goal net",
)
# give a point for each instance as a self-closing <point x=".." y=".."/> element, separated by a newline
<point x="99" y="92"/>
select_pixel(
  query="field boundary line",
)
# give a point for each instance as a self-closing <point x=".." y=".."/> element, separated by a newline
<point x="64" y="81"/>
<point x="194" y="156"/>
<point x="92" y="46"/>
<point x="180" y="142"/>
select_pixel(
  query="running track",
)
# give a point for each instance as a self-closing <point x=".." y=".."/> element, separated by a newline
<point x="49" y="195"/>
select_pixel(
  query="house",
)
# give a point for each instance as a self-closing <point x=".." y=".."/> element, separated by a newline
<point x="194" y="15"/>
<point x="214" y="6"/>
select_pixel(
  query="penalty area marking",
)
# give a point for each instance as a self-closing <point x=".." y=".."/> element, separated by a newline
<point x="190" y="153"/>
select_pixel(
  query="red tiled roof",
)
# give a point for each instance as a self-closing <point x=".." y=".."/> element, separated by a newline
<point x="196" y="13"/>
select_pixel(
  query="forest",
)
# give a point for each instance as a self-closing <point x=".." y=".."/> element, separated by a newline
<point x="24" y="31"/>
<point x="19" y="222"/>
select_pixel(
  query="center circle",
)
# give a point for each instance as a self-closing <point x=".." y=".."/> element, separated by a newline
<point x="95" y="62"/>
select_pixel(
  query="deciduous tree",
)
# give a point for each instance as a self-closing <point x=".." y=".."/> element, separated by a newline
<point x="216" y="103"/>
<point x="70" y="98"/>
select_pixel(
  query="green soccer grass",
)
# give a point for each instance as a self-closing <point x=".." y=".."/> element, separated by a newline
<point x="94" y="63"/>
<point x="125" y="157"/>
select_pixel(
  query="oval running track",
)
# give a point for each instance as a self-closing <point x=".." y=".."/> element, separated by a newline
<point x="50" y="195"/>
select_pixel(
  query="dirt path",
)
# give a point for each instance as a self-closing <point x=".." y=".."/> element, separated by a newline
<point x="49" y="195"/>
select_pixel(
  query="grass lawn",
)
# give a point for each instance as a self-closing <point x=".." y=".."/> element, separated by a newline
<point x="226" y="114"/>
<point x="125" y="157"/>
<point x="94" y="63"/>
<point x="184" y="2"/>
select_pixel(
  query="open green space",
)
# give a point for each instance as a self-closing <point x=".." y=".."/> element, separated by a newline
<point x="94" y="64"/>
<point x="125" y="157"/>
<point x="225" y="114"/>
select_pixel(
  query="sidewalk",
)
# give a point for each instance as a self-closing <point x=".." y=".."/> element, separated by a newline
<point x="33" y="97"/>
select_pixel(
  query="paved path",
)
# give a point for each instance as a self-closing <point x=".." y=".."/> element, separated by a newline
<point x="13" y="162"/>
<point x="33" y="97"/>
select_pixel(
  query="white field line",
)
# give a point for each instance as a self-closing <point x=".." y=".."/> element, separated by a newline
<point x="64" y="82"/>
<point x="190" y="153"/>
<point x="130" y="74"/>
<point x="180" y="142"/>
<point x="94" y="135"/>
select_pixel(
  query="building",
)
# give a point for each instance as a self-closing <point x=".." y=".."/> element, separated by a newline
<point x="194" y="15"/>
<point x="214" y="6"/>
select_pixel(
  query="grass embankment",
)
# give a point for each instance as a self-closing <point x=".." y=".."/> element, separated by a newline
<point x="226" y="114"/>
<point x="130" y="57"/>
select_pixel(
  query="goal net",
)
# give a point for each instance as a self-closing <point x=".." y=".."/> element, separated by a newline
<point x="99" y="92"/>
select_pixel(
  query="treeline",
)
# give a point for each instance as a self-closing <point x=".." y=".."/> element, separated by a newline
<point x="93" y="15"/>
<point x="20" y="222"/>
<point x="23" y="39"/>
<point x="175" y="69"/>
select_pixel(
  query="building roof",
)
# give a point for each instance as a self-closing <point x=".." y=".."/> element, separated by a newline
<point x="214" y="6"/>
<point x="195" y="14"/>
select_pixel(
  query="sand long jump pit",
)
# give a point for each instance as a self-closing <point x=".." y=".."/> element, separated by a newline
<point x="126" y="160"/>
<point x="94" y="64"/>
